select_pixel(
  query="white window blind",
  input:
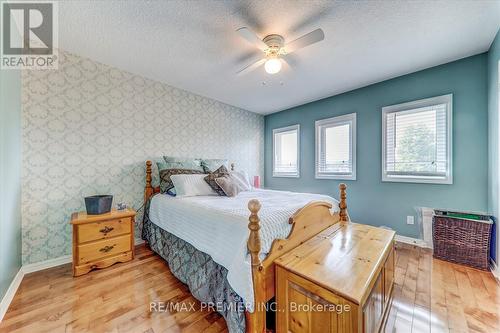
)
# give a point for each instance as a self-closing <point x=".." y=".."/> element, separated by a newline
<point x="336" y="147"/>
<point x="417" y="141"/>
<point x="286" y="151"/>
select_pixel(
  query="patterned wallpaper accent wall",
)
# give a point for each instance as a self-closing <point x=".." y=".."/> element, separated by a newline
<point x="88" y="129"/>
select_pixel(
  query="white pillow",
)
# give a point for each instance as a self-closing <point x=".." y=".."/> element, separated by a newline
<point x="241" y="178"/>
<point x="191" y="185"/>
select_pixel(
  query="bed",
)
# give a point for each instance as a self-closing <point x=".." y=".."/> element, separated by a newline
<point x="210" y="247"/>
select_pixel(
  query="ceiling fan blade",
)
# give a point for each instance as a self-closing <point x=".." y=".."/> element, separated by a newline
<point x="251" y="67"/>
<point x="306" y="40"/>
<point x="290" y="59"/>
<point x="286" y="64"/>
<point x="252" y="38"/>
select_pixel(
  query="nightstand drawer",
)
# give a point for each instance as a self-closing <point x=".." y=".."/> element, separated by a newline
<point x="103" y="248"/>
<point x="105" y="229"/>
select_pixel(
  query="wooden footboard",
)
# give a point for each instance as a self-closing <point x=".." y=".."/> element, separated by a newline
<point x="306" y="223"/>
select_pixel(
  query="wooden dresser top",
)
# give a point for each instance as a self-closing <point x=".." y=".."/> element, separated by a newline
<point x="83" y="217"/>
<point x="344" y="260"/>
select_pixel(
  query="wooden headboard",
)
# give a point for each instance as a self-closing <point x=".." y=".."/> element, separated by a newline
<point x="149" y="190"/>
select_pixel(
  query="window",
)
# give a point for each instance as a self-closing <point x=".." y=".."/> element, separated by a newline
<point x="416" y="141"/>
<point x="336" y="147"/>
<point x="286" y="151"/>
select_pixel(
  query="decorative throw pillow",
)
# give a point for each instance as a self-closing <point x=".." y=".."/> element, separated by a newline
<point x="209" y="165"/>
<point x="210" y="179"/>
<point x="241" y="178"/>
<point x="181" y="163"/>
<point x="191" y="185"/>
<point x="166" y="184"/>
<point x="229" y="185"/>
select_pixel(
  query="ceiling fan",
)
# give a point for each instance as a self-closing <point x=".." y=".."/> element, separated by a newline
<point x="274" y="48"/>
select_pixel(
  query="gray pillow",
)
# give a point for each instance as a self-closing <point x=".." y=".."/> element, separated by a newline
<point x="210" y="179"/>
<point x="228" y="184"/>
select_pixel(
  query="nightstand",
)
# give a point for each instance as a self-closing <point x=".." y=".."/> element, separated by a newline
<point x="101" y="240"/>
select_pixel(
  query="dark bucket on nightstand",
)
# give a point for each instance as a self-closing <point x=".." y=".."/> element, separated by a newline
<point x="98" y="204"/>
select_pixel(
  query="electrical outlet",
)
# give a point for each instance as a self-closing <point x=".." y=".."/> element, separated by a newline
<point x="410" y="219"/>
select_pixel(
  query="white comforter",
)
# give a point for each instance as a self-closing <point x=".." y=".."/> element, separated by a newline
<point x="217" y="226"/>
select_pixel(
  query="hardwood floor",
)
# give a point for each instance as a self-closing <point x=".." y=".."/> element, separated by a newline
<point x="432" y="295"/>
<point x="429" y="296"/>
<point x="115" y="299"/>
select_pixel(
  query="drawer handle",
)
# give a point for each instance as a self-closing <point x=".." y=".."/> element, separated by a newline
<point x="106" y="230"/>
<point x="107" y="248"/>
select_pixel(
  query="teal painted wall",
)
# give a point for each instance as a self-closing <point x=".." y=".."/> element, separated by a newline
<point x="370" y="200"/>
<point x="10" y="177"/>
<point x="493" y="136"/>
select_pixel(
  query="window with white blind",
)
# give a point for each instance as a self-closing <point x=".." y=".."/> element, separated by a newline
<point x="336" y="147"/>
<point x="286" y="151"/>
<point x="416" y="141"/>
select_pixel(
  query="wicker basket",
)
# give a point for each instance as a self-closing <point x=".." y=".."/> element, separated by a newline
<point x="462" y="240"/>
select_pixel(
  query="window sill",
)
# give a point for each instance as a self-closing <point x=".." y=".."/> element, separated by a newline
<point x="335" y="177"/>
<point x="281" y="175"/>
<point x="418" y="180"/>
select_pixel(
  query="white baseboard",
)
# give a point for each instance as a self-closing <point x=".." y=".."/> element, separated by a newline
<point x="411" y="241"/>
<point x="38" y="266"/>
<point x="11" y="292"/>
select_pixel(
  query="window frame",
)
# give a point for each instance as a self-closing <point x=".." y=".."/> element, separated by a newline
<point x="351" y="119"/>
<point x="423" y="178"/>
<point x="282" y="130"/>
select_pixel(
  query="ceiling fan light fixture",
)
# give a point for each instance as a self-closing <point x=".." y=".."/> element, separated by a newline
<point x="273" y="46"/>
<point x="272" y="65"/>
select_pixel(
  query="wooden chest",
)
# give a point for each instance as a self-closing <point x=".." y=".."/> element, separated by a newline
<point x="102" y="240"/>
<point x="338" y="281"/>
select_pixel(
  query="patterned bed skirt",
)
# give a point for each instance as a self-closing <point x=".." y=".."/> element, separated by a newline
<point x="205" y="278"/>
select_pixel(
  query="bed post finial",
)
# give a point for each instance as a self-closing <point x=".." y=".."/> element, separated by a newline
<point x="254" y="238"/>
<point x="342" y="203"/>
<point x="232" y="166"/>
<point x="256" y="320"/>
<point x="148" y="190"/>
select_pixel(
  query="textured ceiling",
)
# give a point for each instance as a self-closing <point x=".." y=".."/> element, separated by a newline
<point x="193" y="44"/>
